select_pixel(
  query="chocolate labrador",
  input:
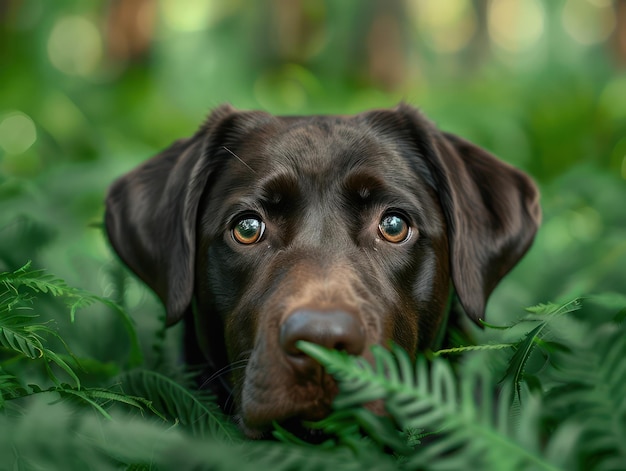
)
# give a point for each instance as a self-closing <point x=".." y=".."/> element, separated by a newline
<point x="345" y="231"/>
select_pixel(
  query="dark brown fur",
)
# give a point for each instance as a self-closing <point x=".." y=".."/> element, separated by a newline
<point x="321" y="185"/>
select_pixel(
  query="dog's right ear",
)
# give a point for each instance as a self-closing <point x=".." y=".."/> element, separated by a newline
<point x="151" y="212"/>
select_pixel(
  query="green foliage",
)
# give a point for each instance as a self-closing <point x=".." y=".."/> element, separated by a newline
<point x="471" y="430"/>
<point x="191" y="408"/>
<point x="82" y="386"/>
<point x="441" y="414"/>
<point x="18" y="333"/>
<point x="536" y="337"/>
<point x="27" y="339"/>
<point x="589" y="394"/>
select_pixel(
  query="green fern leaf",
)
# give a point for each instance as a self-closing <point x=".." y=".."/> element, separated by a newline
<point x="590" y="397"/>
<point x="15" y="335"/>
<point x="41" y="282"/>
<point x="10" y="387"/>
<point x="133" y="401"/>
<point x="523" y="349"/>
<point x="430" y="398"/>
<point x="98" y="398"/>
<point x="84" y="397"/>
<point x="20" y="334"/>
<point x="193" y="409"/>
<point x="37" y="280"/>
<point x="135" y="356"/>
<point x="472" y="348"/>
<point x="551" y="308"/>
<point x="53" y="357"/>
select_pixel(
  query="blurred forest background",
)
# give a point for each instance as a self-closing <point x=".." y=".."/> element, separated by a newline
<point x="90" y="89"/>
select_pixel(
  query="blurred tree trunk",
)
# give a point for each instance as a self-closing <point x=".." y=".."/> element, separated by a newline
<point x="620" y="31"/>
<point x="296" y="29"/>
<point x="129" y="29"/>
<point x="386" y="45"/>
<point x="378" y="37"/>
<point x="479" y="48"/>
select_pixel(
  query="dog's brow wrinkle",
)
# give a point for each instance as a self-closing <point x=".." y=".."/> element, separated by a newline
<point x="238" y="158"/>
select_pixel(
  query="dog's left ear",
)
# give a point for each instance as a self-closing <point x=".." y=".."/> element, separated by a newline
<point x="495" y="213"/>
<point x="491" y="208"/>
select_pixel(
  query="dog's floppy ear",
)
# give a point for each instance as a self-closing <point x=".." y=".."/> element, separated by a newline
<point x="151" y="214"/>
<point x="495" y="212"/>
<point x="491" y="208"/>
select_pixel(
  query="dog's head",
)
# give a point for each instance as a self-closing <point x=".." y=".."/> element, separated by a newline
<point x="345" y="231"/>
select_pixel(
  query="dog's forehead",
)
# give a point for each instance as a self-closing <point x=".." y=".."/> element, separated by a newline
<point x="326" y="147"/>
<point x="315" y="165"/>
<point x="320" y="162"/>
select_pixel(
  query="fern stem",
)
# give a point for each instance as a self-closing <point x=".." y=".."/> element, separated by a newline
<point x="470" y="348"/>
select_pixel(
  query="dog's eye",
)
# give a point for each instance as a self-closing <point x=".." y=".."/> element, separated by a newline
<point x="248" y="230"/>
<point x="394" y="228"/>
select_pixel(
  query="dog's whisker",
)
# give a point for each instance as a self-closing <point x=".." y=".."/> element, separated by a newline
<point x="219" y="374"/>
<point x="230" y="400"/>
<point x="238" y="158"/>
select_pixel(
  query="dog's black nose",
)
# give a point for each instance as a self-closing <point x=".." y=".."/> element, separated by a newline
<point x="331" y="329"/>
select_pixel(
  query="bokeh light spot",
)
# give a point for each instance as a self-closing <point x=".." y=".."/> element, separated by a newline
<point x="613" y="97"/>
<point x="516" y="25"/>
<point x="585" y="224"/>
<point x="448" y="25"/>
<point x="75" y="46"/>
<point x="588" y="22"/>
<point x="188" y="16"/>
<point x="17" y="133"/>
<point x="289" y="88"/>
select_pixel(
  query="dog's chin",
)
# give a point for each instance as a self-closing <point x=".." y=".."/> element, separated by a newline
<point x="294" y="423"/>
<point x="294" y="426"/>
<point x="298" y="424"/>
<point x="257" y="419"/>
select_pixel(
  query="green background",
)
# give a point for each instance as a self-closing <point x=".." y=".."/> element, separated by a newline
<point x="88" y="90"/>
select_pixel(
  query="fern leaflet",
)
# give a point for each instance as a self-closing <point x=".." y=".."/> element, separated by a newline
<point x="193" y="409"/>
<point x="429" y="398"/>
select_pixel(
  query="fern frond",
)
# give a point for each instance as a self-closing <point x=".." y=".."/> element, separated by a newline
<point x="36" y="280"/>
<point x="590" y="396"/>
<point x="99" y="398"/>
<point x="517" y="363"/>
<point x="196" y="410"/>
<point x="40" y="281"/>
<point x="60" y="437"/>
<point x="472" y="348"/>
<point x="428" y="397"/>
<point x="10" y="387"/>
<point x="52" y="357"/>
<point x="19" y="333"/>
<point x="547" y="309"/>
<point x="524" y="348"/>
<point x="82" y="299"/>
<point x="17" y="337"/>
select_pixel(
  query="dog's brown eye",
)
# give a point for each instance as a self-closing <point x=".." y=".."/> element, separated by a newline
<point x="248" y="230"/>
<point x="394" y="228"/>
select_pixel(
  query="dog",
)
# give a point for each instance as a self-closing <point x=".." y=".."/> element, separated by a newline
<point x="344" y="231"/>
